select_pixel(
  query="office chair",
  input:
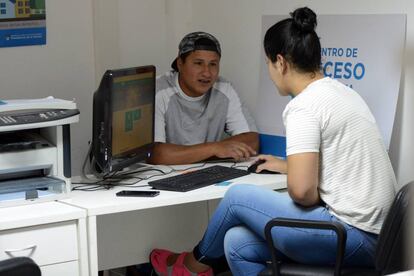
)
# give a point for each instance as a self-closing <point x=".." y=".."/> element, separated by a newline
<point x="19" y="266"/>
<point x="389" y="255"/>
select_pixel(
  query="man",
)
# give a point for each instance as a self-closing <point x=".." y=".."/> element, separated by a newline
<point x="195" y="107"/>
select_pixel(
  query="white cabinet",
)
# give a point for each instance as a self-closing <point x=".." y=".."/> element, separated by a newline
<point x="45" y="244"/>
<point x="68" y="268"/>
<point x="52" y="234"/>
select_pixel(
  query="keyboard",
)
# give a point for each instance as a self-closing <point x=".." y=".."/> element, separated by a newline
<point x="197" y="179"/>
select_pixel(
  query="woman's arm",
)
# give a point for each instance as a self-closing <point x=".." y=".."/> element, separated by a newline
<point x="302" y="171"/>
<point x="303" y="178"/>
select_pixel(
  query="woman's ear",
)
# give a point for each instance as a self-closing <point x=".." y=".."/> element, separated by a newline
<point x="281" y="64"/>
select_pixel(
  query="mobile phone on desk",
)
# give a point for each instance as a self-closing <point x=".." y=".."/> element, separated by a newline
<point x="138" y="193"/>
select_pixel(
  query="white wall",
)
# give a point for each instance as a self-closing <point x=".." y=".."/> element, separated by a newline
<point x="63" y="68"/>
<point x="131" y="33"/>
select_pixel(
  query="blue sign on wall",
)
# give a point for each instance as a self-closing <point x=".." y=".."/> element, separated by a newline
<point x="22" y="22"/>
<point x="370" y="64"/>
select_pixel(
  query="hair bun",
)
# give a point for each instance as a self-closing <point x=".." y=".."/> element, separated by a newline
<point x="304" y="19"/>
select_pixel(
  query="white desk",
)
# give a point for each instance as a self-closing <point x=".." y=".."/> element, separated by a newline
<point x="51" y="233"/>
<point x="119" y="235"/>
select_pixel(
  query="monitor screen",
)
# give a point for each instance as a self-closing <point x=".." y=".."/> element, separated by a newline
<point x="123" y="118"/>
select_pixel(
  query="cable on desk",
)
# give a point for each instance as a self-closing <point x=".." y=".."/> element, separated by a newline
<point x="114" y="179"/>
<point x="142" y="170"/>
<point x="106" y="181"/>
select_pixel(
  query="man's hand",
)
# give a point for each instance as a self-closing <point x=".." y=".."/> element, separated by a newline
<point x="238" y="147"/>
<point x="232" y="149"/>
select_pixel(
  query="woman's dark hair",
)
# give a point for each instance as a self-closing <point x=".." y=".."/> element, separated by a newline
<point x="296" y="40"/>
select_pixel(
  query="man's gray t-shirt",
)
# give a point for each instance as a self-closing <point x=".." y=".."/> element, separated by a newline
<point x="184" y="120"/>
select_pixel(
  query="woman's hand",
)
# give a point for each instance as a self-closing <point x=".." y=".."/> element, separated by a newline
<point x="272" y="163"/>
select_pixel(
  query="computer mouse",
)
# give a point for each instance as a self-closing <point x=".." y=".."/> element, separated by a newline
<point x="253" y="168"/>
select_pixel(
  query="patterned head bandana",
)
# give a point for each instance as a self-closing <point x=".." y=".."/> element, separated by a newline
<point x="197" y="41"/>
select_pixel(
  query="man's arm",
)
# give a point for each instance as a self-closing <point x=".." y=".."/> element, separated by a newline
<point x="249" y="138"/>
<point x="237" y="147"/>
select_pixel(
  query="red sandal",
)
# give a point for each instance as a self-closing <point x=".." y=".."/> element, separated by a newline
<point x="179" y="269"/>
<point x="158" y="259"/>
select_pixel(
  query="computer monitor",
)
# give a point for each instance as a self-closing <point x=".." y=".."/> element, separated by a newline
<point x="123" y="119"/>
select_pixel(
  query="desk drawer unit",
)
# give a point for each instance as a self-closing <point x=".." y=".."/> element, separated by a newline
<point x="69" y="269"/>
<point x="48" y="244"/>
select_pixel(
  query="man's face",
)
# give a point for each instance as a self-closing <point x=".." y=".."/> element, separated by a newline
<point x="199" y="72"/>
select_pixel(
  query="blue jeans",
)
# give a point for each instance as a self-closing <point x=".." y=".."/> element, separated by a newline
<point x="236" y="230"/>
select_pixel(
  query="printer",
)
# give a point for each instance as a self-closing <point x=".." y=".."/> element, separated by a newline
<point x="35" y="159"/>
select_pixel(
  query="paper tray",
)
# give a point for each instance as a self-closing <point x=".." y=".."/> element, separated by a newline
<point x="30" y="188"/>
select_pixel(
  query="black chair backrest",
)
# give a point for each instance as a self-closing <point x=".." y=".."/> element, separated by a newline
<point x="390" y="250"/>
<point x="19" y="266"/>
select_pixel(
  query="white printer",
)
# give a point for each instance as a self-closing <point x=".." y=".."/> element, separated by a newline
<point x="35" y="160"/>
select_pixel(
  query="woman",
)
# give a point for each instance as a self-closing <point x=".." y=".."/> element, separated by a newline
<point x="337" y="170"/>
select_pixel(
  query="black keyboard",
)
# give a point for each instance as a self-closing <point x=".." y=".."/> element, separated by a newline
<point x="197" y="179"/>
